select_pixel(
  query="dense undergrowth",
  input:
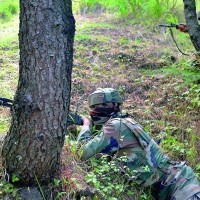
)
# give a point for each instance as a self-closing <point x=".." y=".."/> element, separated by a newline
<point x="160" y="88"/>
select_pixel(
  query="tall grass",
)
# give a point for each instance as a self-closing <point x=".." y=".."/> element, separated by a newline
<point x="8" y="8"/>
<point x="170" y="10"/>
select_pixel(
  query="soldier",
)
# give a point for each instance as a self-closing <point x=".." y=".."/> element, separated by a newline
<point x="123" y="136"/>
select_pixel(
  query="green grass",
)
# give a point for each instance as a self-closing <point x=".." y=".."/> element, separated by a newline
<point x="9" y="33"/>
<point x="85" y="31"/>
<point x="4" y="124"/>
<point x="83" y="37"/>
<point x="89" y="25"/>
<point x="183" y="70"/>
<point x="9" y="56"/>
<point x="152" y="9"/>
<point x="87" y="37"/>
<point x="188" y="75"/>
<point x="8" y="9"/>
<point x="124" y="41"/>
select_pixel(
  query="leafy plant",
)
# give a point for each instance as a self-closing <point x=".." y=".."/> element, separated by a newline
<point x="15" y="178"/>
<point x="7" y="190"/>
<point x="112" y="180"/>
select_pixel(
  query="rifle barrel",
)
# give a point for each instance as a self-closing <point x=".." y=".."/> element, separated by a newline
<point x="6" y="102"/>
<point x="169" y="26"/>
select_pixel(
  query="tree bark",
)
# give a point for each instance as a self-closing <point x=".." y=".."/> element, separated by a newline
<point x="33" y="145"/>
<point x="192" y="23"/>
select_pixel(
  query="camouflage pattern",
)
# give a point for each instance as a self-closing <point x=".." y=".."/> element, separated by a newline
<point x="104" y="95"/>
<point x="123" y="136"/>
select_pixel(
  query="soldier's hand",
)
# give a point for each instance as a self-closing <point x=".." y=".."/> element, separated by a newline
<point x="182" y="28"/>
<point x="86" y="121"/>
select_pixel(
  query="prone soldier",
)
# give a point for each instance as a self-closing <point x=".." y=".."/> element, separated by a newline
<point x="122" y="136"/>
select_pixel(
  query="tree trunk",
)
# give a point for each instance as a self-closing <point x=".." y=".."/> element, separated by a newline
<point x="33" y="145"/>
<point x="192" y="23"/>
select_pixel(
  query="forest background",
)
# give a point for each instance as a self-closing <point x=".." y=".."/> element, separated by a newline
<point x="119" y="44"/>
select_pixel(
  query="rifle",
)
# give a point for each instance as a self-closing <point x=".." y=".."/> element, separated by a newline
<point x="180" y="27"/>
<point x="72" y="118"/>
<point x="6" y="102"/>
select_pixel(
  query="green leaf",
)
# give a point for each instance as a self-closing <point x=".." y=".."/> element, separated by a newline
<point x="56" y="181"/>
<point x="14" y="178"/>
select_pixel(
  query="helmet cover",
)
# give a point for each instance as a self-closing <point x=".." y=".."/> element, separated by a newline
<point x="104" y="95"/>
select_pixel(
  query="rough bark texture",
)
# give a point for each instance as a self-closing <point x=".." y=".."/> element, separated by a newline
<point x="192" y="23"/>
<point x="33" y="145"/>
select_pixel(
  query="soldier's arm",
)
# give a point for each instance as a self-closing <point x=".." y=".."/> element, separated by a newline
<point x="106" y="142"/>
<point x="86" y="131"/>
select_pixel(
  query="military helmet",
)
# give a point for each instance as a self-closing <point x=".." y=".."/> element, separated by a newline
<point x="104" y="95"/>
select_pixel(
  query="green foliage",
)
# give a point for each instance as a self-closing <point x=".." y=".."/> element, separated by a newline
<point x="193" y="94"/>
<point x="113" y="180"/>
<point x="8" y="8"/>
<point x="7" y="190"/>
<point x="71" y="140"/>
<point x="4" y="124"/>
<point x="183" y="70"/>
<point x="15" y="178"/>
<point x="177" y="147"/>
<point x="83" y="37"/>
<point x="152" y="9"/>
<point x="9" y="67"/>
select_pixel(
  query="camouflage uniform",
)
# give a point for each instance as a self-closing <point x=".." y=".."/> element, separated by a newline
<point x="121" y="135"/>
